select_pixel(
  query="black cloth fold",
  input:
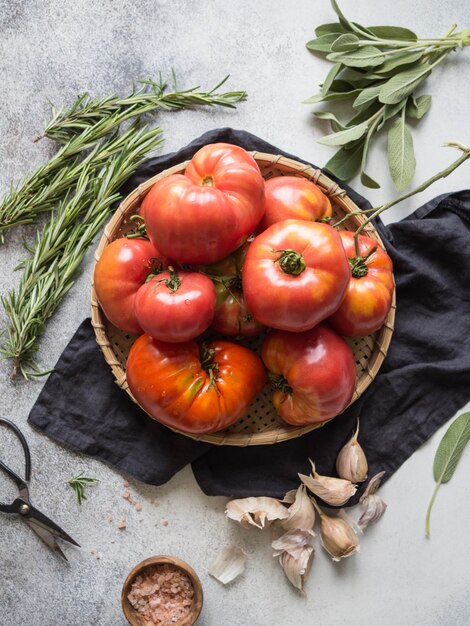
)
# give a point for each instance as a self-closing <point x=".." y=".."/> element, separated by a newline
<point x="423" y="381"/>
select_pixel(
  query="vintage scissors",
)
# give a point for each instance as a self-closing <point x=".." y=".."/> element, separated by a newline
<point x="45" y="528"/>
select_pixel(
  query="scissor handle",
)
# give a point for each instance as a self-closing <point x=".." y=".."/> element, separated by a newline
<point x="27" y="456"/>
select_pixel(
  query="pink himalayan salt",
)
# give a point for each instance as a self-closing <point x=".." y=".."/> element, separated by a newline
<point x="163" y="594"/>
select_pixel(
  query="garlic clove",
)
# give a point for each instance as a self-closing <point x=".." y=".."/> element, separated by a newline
<point x="351" y="462"/>
<point x="293" y="542"/>
<point x="374" y="484"/>
<point x="337" y="535"/>
<point x="371" y="507"/>
<point x="301" y="511"/>
<point x="333" y="491"/>
<point x="297" y="570"/>
<point x="228" y="564"/>
<point x="259" y="512"/>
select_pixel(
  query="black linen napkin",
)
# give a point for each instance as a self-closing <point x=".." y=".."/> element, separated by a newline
<point x="424" y="380"/>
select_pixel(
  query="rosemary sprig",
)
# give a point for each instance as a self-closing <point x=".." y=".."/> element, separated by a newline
<point x="87" y="112"/>
<point x="78" y="484"/>
<point x="43" y="189"/>
<point x="378" y="70"/>
<point x="60" y="246"/>
<point x="79" y="129"/>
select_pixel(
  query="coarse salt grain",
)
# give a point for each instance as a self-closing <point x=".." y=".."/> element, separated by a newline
<point x="163" y="594"/>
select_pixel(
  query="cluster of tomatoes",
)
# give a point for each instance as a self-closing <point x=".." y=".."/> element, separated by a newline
<point x="228" y="251"/>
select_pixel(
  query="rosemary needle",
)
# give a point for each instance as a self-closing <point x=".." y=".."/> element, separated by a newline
<point x="78" y="484"/>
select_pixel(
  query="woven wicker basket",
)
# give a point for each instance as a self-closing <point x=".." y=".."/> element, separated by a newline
<point x="261" y="425"/>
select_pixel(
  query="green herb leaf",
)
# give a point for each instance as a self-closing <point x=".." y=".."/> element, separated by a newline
<point x="321" y="44"/>
<point x="336" y="125"/>
<point x="369" y="182"/>
<point x="345" y="23"/>
<point x="319" y="97"/>
<point x="401" y="156"/>
<point x="330" y="78"/>
<point x="78" y="484"/>
<point x="346" y="163"/>
<point x="396" y="62"/>
<point x="403" y="84"/>
<point x="448" y="455"/>
<point x="390" y="110"/>
<point x="345" y="136"/>
<point x="333" y="28"/>
<point x="345" y="42"/>
<point x="393" y="32"/>
<point x="416" y="108"/>
<point x="368" y="56"/>
<point x="366" y="97"/>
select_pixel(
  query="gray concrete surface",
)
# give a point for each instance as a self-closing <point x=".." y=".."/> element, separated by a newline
<point x="53" y="50"/>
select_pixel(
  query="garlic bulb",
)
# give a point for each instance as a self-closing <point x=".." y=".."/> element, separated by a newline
<point x="301" y="511"/>
<point x="337" y="535"/>
<point x="334" y="491"/>
<point x="351" y="462"/>
<point x="259" y="512"/>
<point x="295" y="553"/>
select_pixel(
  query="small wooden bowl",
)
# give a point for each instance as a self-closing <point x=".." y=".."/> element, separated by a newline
<point x="134" y="618"/>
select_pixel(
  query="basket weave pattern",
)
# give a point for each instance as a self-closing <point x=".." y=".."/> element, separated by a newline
<point x="261" y="425"/>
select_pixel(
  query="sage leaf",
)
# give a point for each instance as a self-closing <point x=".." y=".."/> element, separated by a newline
<point x="396" y="63"/>
<point x="342" y="19"/>
<point x="330" y="77"/>
<point x="401" y="158"/>
<point x="344" y="136"/>
<point x="393" y="32"/>
<point x="416" y="108"/>
<point x="448" y="455"/>
<point x="390" y="110"/>
<point x="345" y="42"/>
<point x="368" y="56"/>
<point x="332" y="96"/>
<point x="403" y="84"/>
<point x="321" y="44"/>
<point x="336" y="125"/>
<point x="346" y="163"/>
<point x="333" y="28"/>
<point x="364" y="115"/>
<point x="369" y="182"/>
<point x="366" y="97"/>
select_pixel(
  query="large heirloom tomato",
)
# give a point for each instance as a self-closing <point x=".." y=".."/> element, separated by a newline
<point x="175" y="306"/>
<point x="369" y="295"/>
<point x="191" y="388"/>
<point x="203" y="215"/>
<point x="295" y="275"/>
<point x="122" y="269"/>
<point x="313" y="374"/>
<point x="293" y="197"/>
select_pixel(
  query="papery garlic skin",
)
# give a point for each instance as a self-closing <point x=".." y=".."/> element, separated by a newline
<point x="297" y="570"/>
<point x="293" y="542"/>
<point x="259" y="512"/>
<point x="228" y="565"/>
<point x="338" y="537"/>
<point x="373" y="507"/>
<point x="333" y="491"/>
<point x="301" y="512"/>
<point x="351" y="462"/>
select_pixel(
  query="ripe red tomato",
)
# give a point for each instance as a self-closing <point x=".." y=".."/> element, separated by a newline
<point x="233" y="318"/>
<point x="122" y="269"/>
<point x="313" y="374"/>
<point x="194" y="389"/>
<point x="293" y="197"/>
<point x="295" y="275"/>
<point x="369" y="295"/>
<point x="175" y="306"/>
<point x="203" y="215"/>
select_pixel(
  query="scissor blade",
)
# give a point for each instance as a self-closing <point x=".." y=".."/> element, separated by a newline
<point x="46" y="536"/>
<point x="35" y="516"/>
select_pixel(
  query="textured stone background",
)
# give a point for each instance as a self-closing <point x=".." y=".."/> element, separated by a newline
<point x="54" y="50"/>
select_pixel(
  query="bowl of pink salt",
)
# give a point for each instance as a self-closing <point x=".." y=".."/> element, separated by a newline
<point x="162" y="591"/>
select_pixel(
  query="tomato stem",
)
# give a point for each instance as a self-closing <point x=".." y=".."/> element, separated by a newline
<point x="210" y="366"/>
<point x="156" y="267"/>
<point x="280" y="383"/>
<point x="291" y="262"/>
<point x="358" y="264"/>
<point x="208" y="181"/>
<point x="174" y="282"/>
<point x="140" y="230"/>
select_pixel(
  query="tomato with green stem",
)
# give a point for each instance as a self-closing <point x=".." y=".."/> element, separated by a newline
<point x="313" y="374"/>
<point x="191" y="388"/>
<point x="175" y="305"/>
<point x="295" y="275"/>
<point x="124" y="266"/>
<point x="370" y="290"/>
<point x="203" y="215"/>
